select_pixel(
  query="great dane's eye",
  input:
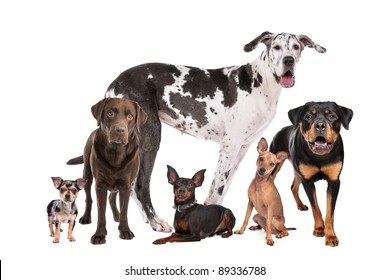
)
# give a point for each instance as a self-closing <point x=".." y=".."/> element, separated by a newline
<point x="110" y="114"/>
<point x="296" y="47"/>
<point x="277" y="47"/>
<point x="130" y="117"/>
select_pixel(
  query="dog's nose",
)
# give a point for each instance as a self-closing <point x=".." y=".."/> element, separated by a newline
<point x="320" y="127"/>
<point x="120" y="130"/>
<point x="67" y="196"/>
<point x="288" y="61"/>
<point x="262" y="171"/>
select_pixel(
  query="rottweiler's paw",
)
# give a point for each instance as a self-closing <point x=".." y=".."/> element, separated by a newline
<point x="126" y="234"/>
<point x="303" y="207"/>
<point x="331" y="241"/>
<point x="319" y="232"/>
<point x="97" y="239"/>
<point x="84" y="220"/>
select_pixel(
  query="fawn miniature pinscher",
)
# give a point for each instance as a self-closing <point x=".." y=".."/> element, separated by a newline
<point x="193" y="221"/>
<point x="264" y="196"/>
<point x="64" y="210"/>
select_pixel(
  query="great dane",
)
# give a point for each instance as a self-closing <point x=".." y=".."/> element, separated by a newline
<point x="231" y="106"/>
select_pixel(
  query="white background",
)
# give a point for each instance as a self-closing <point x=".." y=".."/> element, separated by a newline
<point x="58" y="58"/>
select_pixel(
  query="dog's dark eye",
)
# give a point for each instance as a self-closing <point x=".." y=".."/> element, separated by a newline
<point x="332" y="117"/>
<point x="277" y="47"/>
<point x="272" y="164"/>
<point x="309" y="117"/>
<point x="110" y="114"/>
<point x="296" y="47"/>
<point x="74" y="191"/>
<point x="130" y="117"/>
<point x="261" y="159"/>
<point x="62" y="190"/>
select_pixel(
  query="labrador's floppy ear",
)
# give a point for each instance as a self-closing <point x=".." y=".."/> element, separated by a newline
<point x="141" y="117"/>
<point x="97" y="110"/>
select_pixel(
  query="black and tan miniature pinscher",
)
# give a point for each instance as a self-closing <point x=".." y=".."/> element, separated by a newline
<point x="264" y="196"/>
<point x="64" y="210"/>
<point x="316" y="152"/>
<point x="194" y="221"/>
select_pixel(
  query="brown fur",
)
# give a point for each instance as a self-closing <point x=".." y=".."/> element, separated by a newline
<point x="111" y="156"/>
<point x="264" y="196"/>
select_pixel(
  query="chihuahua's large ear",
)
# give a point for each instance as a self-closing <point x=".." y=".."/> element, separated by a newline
<point x="97" y="110"/>
<point x="265" y="38"/>
<point x="199" y="177"/>
<point x="57" y="181"/>
<point x="262" y="146"/>
<point x="281" y="156"/>
<point x="346" y="116"/>
<point x="80" y="183"/>
<point x="141" y="118"/>
<point x="172" y="175"/>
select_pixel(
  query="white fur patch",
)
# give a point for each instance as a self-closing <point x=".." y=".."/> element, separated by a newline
<point x="111" y="94"/>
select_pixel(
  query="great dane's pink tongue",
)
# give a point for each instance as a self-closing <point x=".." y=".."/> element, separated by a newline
<point x="287" y="81"/>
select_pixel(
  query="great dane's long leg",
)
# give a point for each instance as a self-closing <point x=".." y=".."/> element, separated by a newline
<point x="150" y="137"/>
<point x="229" y="160"/>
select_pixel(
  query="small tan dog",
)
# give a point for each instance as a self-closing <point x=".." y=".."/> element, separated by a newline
<point x="264" y="196"/>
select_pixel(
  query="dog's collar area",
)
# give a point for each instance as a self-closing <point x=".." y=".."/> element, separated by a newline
<point x="186" y="206"/>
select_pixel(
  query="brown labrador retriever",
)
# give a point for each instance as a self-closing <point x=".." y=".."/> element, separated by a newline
<point x="111" y="157"/>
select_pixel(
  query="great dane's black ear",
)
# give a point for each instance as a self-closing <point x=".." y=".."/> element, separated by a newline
<point x="307" y="42"/>
<point x="346" y="115"/>
<point x="295" y="115"/>
<point x="141" y="118"/>
<point x="172" y="175"/>
<point x="199" y="177"/>
<point x="265" y="38"/>
<point x="97" y="110"/>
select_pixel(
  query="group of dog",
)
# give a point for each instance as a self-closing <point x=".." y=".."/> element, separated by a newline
<point x="231" y="106"/>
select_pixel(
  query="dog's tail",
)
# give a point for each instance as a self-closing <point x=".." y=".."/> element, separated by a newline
<point x="76" y="160"/>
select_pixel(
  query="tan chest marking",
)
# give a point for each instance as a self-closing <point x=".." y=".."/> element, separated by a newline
<point x="332" y="171"/>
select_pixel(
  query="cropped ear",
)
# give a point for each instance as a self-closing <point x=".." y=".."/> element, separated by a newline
<point x="265" y="38"/>
<point x="346" y="116"/>
<point x="281" y="156"/>
<point x="57" y="181"/>
<point x="172" y="175"/>
<point x="199" y="177"/>
<point x="295" y="114"/>
<point x="97" y="110"/>
<point x="307" y="42"/>
<point x="262" y="146"/>
<point x="141" y="118"/>
<point x="80" y="183"/>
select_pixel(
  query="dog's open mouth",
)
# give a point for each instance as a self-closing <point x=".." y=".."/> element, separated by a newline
<point x="287" y="80"/>
<point x="320" y="145"/>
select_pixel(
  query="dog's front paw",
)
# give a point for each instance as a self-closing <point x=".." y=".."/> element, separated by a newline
<point x="239" y="231"/>
<point x="159" y="241"/>
<point x="84" y="220"/>
<point x="331" y="241"/>
<point x="126" y="234"/>
<point x="56" y="240"/>
<point x="319" y="232"/>
<point x="97" y="239"/>
<point x="270" y="242"/>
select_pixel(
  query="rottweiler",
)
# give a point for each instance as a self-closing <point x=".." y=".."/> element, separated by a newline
<point x="316" y="152"/>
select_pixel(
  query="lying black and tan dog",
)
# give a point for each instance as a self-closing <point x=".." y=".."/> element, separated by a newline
<point x="111" y="156"/>
<point x="316" y="152"/>
<point x="194" y="221"/>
